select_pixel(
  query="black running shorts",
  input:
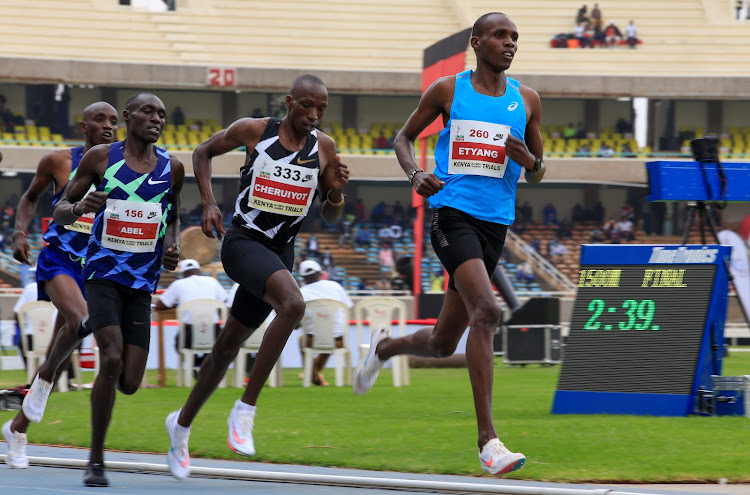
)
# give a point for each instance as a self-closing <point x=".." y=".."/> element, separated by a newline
<point x="250" y="263"/>
<point x="111" y="304"/>
<point x="458" y="237"/>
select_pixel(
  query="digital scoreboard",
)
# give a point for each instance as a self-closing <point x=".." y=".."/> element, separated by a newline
<point x="647" y="329"/>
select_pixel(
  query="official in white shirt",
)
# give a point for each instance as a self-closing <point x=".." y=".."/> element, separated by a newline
<point x="191" y="286"/>
<point x="315" y="288"/>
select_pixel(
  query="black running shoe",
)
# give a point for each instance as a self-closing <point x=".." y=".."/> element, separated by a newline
<point x="94" y="475"/>
<point x="83" y="329"/>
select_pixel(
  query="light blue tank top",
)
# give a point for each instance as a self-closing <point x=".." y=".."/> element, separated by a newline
<point x="478" y="179"/>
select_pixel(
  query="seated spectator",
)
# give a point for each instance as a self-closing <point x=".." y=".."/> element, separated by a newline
<point x="385" y="256"/>
<point x="580" y="34"/>
<point x="630" y="35"/>
<point x="437" y="281"/>
<point x="569" y="131"/>
<point x="385" y="234"/>
<point x="596" y="236"/>
<point x="383" y="284"/>
<point x="556" y="249"/>
<point x="605" y="151"/>
<point x="549" y="214"/>
<point x="625" y="227"/>
<point x="565" y="229"/>
<point x="347" y="227"/>
<point x="362" y="285"/>
<point x="612" y="34"/>
<point x="396" y="231"/>
<point x="398" y="209"/>
<point x="381" y="143"/>
<point x="609" y="226"/>
<point x="389" y="144"/>
<point x="363" y="237"/>
<point x="398" y="283"/>
<point x="584" y="150"/>
<point x="525" y="273"/>
<point x="627" y="212"/>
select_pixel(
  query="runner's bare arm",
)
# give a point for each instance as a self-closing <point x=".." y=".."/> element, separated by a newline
<point x="435" y="102"/>
<point x="172" y="236"/>
<point x="527" y="152"/>
<point x="90" y="171"/>
<point x="27" y="205"/>
<point x="243" y="132"/>
<point x="334" y="175"/>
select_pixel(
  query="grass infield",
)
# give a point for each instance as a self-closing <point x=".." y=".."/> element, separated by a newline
<point x="427" y="427"/>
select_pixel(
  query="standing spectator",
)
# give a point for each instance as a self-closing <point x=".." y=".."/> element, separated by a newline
<point x="398" y="209"/>
<point x="596" y="16"/>
<point x="625" y="227"/>
<point x="437" y="281"/>
<point x="582" y="15"/>
<point x="630" y="34"/>
<point x="28" y="294"/>
<point x="257" y="113"/>
<point x="527" y="212"/>
<point x="178" y="116"/>
<point x="612" y="34"/>
<point x="312" y="248"/>
<point x="378" y="213"/>
<point x="359" y="210"/>
<point x="327" y="259"/>
<point x="190" y="287"/>
<point x="569" y="131"/>
<point x="565" y="229"/>
<point x="315" y="288"/>
<point x="550" y="214"/>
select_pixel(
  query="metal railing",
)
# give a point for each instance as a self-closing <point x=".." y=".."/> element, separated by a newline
<point x="523" y="250"/>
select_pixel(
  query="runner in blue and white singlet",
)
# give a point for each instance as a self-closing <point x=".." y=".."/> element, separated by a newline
<point x="136" y="230"/>
<point x="59" y="267"/>
<point x="492" y="132"/>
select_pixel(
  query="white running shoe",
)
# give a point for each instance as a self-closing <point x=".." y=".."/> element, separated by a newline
<point x="178" y="456"/>
<point x="240" y="438"/>
<point x="16" y="441"/>
<point x="35" y="401"/>
<point x="497" y="459"/>
<point x="366" y="373"/>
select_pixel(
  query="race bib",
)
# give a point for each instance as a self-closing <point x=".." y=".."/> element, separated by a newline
<point x="282" y="188"/>
<point x="85" y="223"/>
<point x="478" y="148"/>
<point x="131" y="226"/>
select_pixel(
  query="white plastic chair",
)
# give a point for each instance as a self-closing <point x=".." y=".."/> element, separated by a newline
<point x="42" y="315"/>
<point x="323" y="315"/>
<point x="251" y="345"/>
<point x="203" y="313"/>
<point x="379" y="311"/>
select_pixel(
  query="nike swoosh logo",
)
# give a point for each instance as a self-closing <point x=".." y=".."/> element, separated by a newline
<point x="488" y="464"/>
<point x="302" y="162"/>
<point x="184" y="462"/>
<point x="496" y="139"/>
<point x="152" y="182"/>
<point x="235" y="437"/>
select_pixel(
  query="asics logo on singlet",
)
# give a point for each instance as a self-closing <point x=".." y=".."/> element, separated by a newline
<point x="152" y="182"/>
<point x="512" y="106"/>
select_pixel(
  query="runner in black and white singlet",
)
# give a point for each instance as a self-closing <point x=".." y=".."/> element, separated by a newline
<point x="491" y="134"/>
<point x="288" y="162"/>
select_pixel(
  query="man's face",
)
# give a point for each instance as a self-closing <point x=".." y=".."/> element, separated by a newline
<point x="497" y="42"/>
<point x="307" y="106"/>
<point x="147" y="118"/>
<point x="100" y="124"/>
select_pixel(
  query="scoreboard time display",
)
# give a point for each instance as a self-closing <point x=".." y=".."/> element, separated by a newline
<point x="646" y="330"/>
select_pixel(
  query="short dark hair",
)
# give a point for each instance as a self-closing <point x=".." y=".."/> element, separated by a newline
<point x="478" y="26"/>
<point x="303" y="80"/>
<point x="135" y="98"/>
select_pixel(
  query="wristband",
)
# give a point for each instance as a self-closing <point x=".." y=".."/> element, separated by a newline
<point x="413" y="174"/>
<point x="73" y="209"/>
<point x="13" y="235"/>
<point x="537" y="164"/>
<point x="328" y="198"/>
